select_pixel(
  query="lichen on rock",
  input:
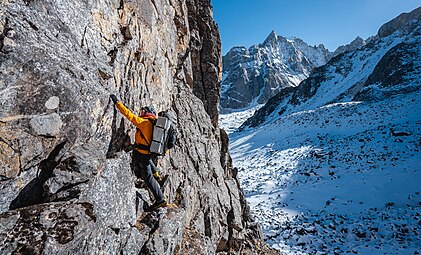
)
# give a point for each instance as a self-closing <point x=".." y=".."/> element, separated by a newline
<point x="48" y="125"/>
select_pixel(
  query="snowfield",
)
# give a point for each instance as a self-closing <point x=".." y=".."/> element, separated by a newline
<point x="340" y="179"/>
<point x="230" y="122"/>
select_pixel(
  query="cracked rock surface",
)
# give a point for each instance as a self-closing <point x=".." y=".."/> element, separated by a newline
<point x="66" y="184"/>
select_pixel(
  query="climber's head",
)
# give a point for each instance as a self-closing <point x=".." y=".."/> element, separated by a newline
<point x="145" y="110"/>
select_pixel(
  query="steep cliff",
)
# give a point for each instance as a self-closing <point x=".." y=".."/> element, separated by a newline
<point x="65" y="179"/>
<point x="205" y="47"/>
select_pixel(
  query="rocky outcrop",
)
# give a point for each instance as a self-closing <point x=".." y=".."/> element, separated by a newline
<point x="396" y="73"/>
<point x="205" y="47"/>
<point x="66" y="182"/>
<point x="252" y="76"/>
<point x="396" y="23"/>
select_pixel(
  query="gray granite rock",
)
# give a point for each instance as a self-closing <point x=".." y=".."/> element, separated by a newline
<point x="48" y="125"/>
<point x="205" y="50"/>
<point x="66" y="183"/>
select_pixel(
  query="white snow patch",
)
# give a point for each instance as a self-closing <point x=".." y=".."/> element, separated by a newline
<point x="233" y="120"/>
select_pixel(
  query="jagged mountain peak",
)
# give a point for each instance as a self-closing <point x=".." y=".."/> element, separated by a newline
<point x="358" y="39"/>
<point x="253" y="75"/>
<point x="282" y="42"/>
<point x="273" y="36"/>
<point x="358" y="42"/>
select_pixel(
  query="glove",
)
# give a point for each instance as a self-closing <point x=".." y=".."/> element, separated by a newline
<point x="114" y="98"/>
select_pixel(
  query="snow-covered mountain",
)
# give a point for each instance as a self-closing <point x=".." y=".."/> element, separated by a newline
<point x="383" y="67"/>
<point x="252" y="76"/>
<point x="332" y="166"/>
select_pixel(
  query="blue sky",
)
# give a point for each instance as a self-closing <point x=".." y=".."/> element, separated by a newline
<point x="330" y="22"/>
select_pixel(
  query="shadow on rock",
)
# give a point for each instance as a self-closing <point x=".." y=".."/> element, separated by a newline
<point x="33" y="193"/>
<point x="120" y="140"/>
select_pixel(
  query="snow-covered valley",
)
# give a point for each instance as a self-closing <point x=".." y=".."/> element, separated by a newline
<point x="344" y="178"/>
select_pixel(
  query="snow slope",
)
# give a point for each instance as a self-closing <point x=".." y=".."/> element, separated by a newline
<point x="343" y="178"/>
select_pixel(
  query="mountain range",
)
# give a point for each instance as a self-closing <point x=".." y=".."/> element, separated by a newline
<point x="252" y="76"/>
<point x="385" y="66"/>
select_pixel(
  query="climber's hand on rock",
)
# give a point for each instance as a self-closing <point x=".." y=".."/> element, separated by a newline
<point x="114" y="98"/>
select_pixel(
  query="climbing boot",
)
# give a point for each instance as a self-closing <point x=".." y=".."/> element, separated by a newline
<point x="157" y="177"/>
<point x="159" y="204"/>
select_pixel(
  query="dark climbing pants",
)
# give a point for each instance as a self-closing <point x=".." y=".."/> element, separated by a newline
<point x="153" y="166"/>
<point x="142" y="168"/>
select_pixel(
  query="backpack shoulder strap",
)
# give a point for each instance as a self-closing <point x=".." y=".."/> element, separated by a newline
<point x="144" y="138"/>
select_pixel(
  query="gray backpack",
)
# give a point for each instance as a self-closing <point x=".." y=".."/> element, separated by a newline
<point x="164" y="134"/>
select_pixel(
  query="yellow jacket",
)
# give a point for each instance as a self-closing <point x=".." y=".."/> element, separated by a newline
<point x="143" y="125"/>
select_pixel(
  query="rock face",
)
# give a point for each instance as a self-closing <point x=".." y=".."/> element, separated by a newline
<point x="256" y="74"/>
<point x="205" y="47"/>
<point x="66" y="182"/>
<point x="396" y="23"/>
<point x="384" y="67"/>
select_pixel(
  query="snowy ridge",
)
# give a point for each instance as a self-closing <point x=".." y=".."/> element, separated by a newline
<point x="354" y="72"/>
<point x="383" y="67"/>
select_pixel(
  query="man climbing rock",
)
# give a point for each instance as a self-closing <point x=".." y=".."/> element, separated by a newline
<point x="141" y="155"/>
